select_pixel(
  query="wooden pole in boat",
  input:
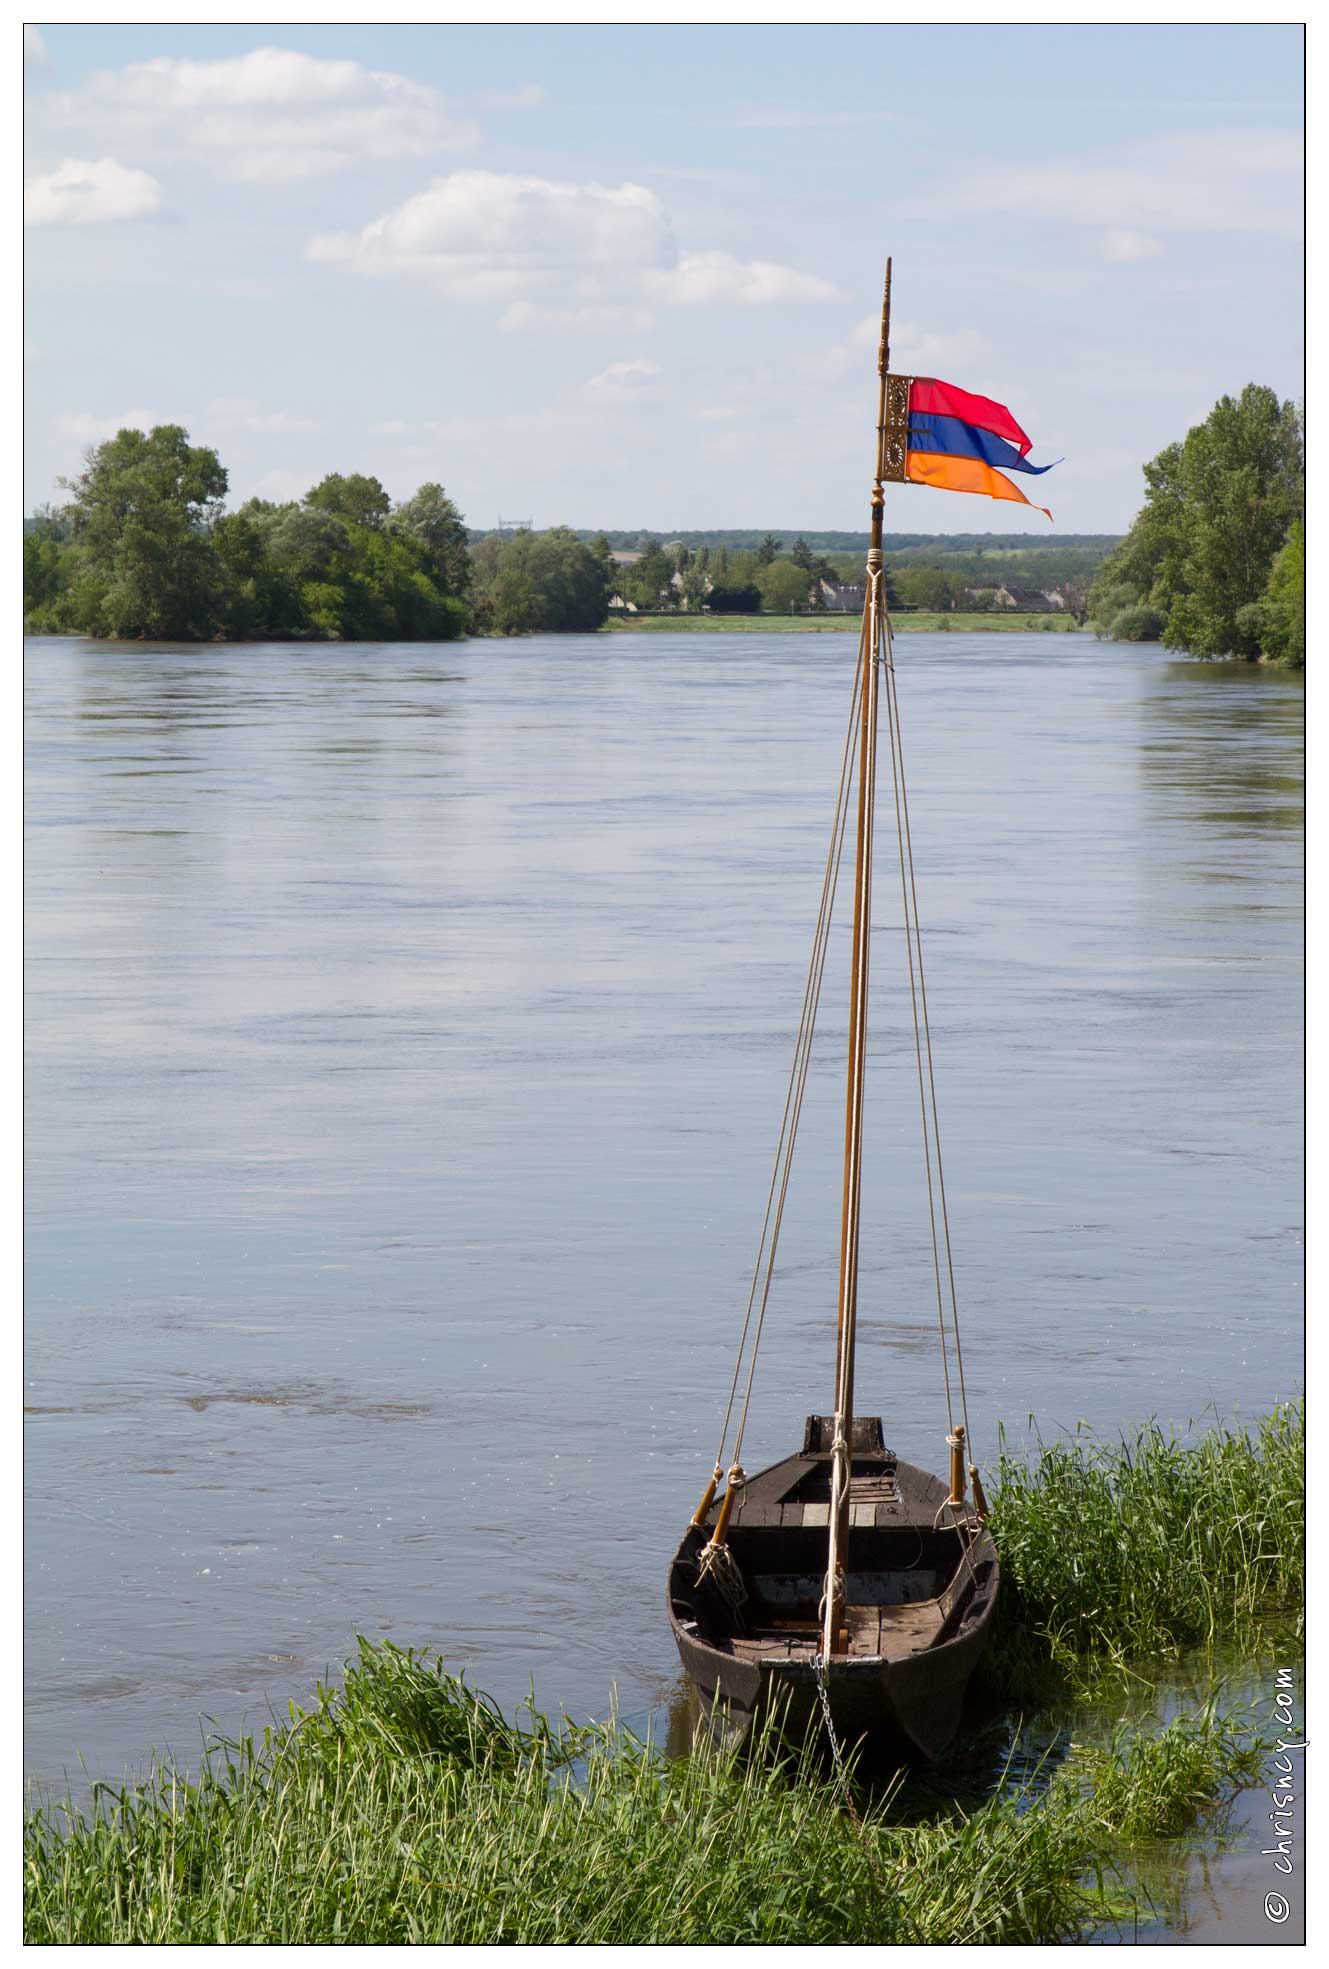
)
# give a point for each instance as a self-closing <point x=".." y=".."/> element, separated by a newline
<point x="834" y="1637"/>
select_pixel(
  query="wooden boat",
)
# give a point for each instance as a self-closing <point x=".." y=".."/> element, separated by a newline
<point x="842" y="1588"/>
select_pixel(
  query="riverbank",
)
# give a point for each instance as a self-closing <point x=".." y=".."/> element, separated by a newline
<point x="402" y="1807"/>
<point x="756" y="625"/>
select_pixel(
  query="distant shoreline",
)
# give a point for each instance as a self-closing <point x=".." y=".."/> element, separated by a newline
<point x="929" y="622"/>
<point x="925" y="622"/>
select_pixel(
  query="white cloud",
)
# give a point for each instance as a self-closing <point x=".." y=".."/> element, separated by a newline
<point x="480" y="233"/>
<point x="268" y="116"/>
<point x="242" y="414"/>
<point x="80" y="192"/>
<point x="924" y="351"/>
<point x="630" y="381"/>
<point x="704" y="279"/>
<point x="86" y="427"/>
<point x="1120" y="243"/>
<point x="34" y="48"/>
<point x="915" y="351"/>
<point x="281" y="485"/>
<point x="1189" y="181"/>
<point x="576" y="257"/>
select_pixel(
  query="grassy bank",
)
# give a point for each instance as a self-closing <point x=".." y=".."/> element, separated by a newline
<point x="757" y="625"/>
<point x="1113" y="1552"/>
<point x="403" y="1807"/>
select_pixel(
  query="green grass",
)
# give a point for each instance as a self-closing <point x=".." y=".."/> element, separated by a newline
<point x="758" y="625"/>
<point x="403" y="1807"/>
<point x="740" y="625"/>
<point x="996" y="620"/>
<point x="1147" y="1546"/>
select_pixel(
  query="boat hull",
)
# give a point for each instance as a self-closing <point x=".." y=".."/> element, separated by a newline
<point x="893" y="1711"/>
<point x="898" y="1695"/>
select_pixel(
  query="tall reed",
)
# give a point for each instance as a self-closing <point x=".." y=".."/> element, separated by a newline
<point x="403" y="1808"/>
<point x="1152" y="1544"/>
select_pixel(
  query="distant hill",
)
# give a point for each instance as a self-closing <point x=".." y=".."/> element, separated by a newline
<point x="624" y="539"/>
<point x="1029" y="560"/>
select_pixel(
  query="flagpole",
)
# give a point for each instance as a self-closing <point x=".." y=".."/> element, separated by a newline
<point x="834" y="1635"/>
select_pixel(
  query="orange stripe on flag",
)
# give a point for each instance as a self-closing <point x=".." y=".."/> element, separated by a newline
<point x="952" y="474"/>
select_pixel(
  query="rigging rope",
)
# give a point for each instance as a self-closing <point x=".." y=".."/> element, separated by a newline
<point x="798" y="1074"/>
<point x="893" y="715"/>
<point x="896" y="776"/>
<point x="876" y="645"/>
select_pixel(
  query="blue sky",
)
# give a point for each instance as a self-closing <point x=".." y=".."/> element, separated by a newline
<point x="628" y="277"/>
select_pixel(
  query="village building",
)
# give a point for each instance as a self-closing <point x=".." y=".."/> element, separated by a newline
<point x="1030" y="601"/>
<point x="841" y="595"/>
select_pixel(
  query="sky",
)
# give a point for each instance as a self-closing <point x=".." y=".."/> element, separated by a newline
<point x="631" y="277"/>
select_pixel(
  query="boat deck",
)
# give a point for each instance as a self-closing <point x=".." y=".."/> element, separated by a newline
<point x="874" y="1632"/>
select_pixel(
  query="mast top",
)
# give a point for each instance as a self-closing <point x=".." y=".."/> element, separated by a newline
<point x="884" y="345"/>
<point x="883" y="365"/>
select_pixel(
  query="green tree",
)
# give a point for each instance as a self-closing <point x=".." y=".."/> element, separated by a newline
<point x="356" y="498"/>
<point x="357" y="582"/>
<point x="141" y="512"/>
<point x="257" y="599"/>
<point x="1278" y="619"/>
<point x="309" y="545"/>
<point x="768" y="550"/>
<point x="1146" y="565"/>
<point x="529" y="581"/>
<point x="1137" y="624"/>
<point x="430" y="517"/>
<point x="1218" y="508"/>
<point x="1242" y="486"/>
<point x="650" y="582"/>
<point x="784" y="587"/>
<point x="927" y="588"/>
<point x="696" y="586"/>
<point x="49" y="563"/>
<point x="728" y="599"/>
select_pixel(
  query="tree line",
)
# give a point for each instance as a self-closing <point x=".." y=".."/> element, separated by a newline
<point x="1215" y="563"/>
<point x="144" y="548"/>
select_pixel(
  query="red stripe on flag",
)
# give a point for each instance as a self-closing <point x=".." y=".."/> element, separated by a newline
<point x="944" y="400"/>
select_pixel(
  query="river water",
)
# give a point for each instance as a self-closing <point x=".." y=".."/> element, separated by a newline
<point x="407" y="1037"/>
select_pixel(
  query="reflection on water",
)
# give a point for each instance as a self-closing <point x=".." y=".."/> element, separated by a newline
<point x="1224" y="747"/>
<point x="407" y="1034"/>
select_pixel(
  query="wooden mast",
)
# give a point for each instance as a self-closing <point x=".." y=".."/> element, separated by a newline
<point x="834" y="1638"/>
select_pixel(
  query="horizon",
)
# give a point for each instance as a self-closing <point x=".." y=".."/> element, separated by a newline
<point x="634" y="274"/>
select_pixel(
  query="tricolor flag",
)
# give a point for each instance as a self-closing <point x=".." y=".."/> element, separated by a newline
<point x="962" y="443"/>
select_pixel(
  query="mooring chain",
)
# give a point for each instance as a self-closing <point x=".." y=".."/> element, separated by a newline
<point x="842" y="1773"/>
<point x="823" y="1692"/>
